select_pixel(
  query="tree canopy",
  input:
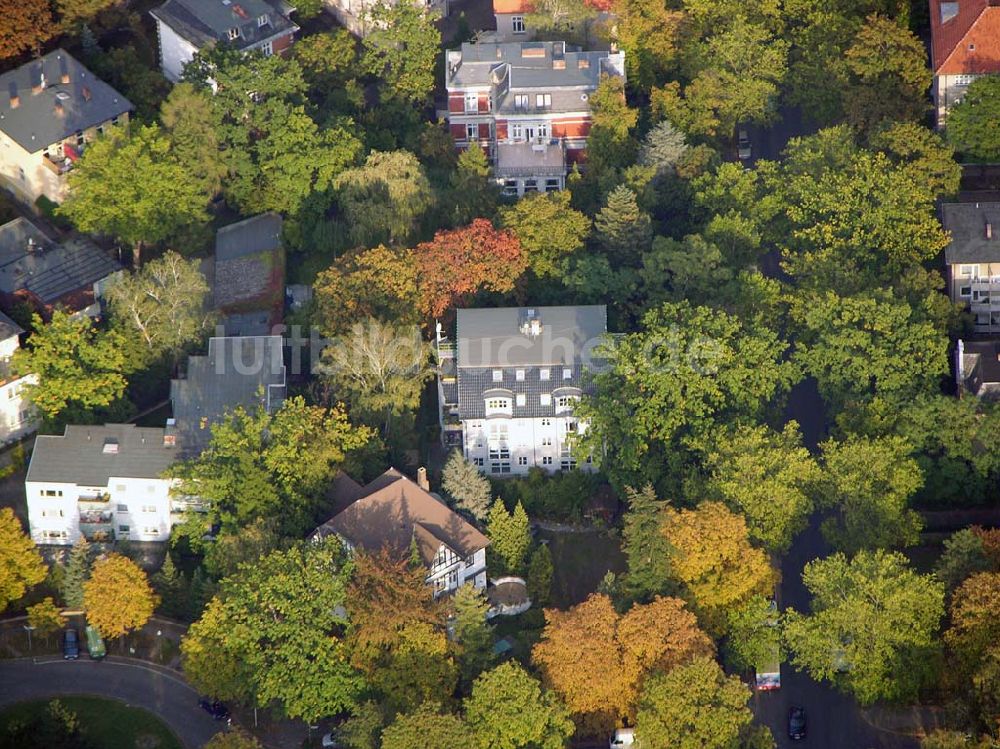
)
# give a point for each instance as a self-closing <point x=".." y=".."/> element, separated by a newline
<point x="21" y="566"/>
<point x="117" y="596"/>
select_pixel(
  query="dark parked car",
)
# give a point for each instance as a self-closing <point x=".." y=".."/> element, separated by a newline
<point x="216" y="709"/>
<point x="71" y="644"/>
<point x="796" y="723"/>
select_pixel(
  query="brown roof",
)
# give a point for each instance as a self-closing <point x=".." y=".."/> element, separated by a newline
<point x="392" y="510"/>
<point x="969" y="40"/>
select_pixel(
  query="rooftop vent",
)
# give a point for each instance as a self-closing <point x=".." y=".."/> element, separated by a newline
<point x="110" y="446"/>
<point x="558" y="64"/>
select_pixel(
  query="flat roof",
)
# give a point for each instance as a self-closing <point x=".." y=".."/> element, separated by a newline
<point x="91" y="455"/>
<point x="59" y="109"/>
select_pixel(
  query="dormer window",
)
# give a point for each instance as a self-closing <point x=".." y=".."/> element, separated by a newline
<point x="497" y="375"/>
<point x="520" y="101"/>
<point x="543" y="101"/>
<point x="263" y="20"/>
<point x="498" y="406"/>
<point x="233" y="33"/>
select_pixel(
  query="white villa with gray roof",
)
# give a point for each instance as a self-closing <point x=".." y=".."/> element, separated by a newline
<point x="509" y="384"/>
<point x="50" y="109"/>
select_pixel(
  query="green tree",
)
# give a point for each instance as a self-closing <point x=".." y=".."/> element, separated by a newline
<point x="972" y="122"/>
<point x="474" y="193"/>
<point x="244" y="545"/>
<point x="510" y="538"/>
<point x="379" y="368"/>
<point x="328" y="61"/>
<point x="427" y="726"/>
<point x="621" y="229"/>
<point x="117" y="596"/>
<point x="872" y="624"/>
<point x="162" y="305"/>
<point x="889" y="74"/>
<point x="46" y="617"/>
<point x="868" y="344"/>
<point x="74" y="12"/>
<point x="648" y="32"/>
<point x="963" y="556"/>
<point x="172" y="588"/>
<point x="923" y="154"/>
<point x="21" y="566"/>
<point x="562" y="19"/>
<point x="769" y="477"/>
<point x="260" y="465"/>
<point x="77" y="366"/>
<point x="663" y="148"/>
<point x="694" y="706"/>
<point x="644" y="544"/>
<point x="362" y="730"/>
<point x="467" y="488"/>
<point x="106" y="197"/>
<point x="549" y="230"/>
<point x="472" y="633"/>
<point x="191" y="124"/>
<point x="735" y="79"/>
<point x="869" y="482"/>
<point x="76" y="573"/>
<point x="237" y="739"/>
<point x="401" y="47"/>
<point x="27" y="25"/>
<point x="508" y="709"/>
<point x="670" y="384"/>
<point x="610" y="145"/>
<point x="754" y="634"/>
<point x="275" y="633"/>
<point x="540" y="572"/>
<point x="384" y="199"/>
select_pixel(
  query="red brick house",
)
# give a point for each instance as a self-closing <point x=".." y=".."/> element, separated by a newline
<point x="965" y="44"/>
<point x="527" y="105"/>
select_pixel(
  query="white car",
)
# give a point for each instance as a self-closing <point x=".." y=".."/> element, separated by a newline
<point x="330" y="742"/>
<point x="743" y="149"/>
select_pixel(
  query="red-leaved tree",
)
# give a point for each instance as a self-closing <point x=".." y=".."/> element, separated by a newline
<point x="462" y="261"/>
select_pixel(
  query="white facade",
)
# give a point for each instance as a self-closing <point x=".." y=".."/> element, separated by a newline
<point x="135" y="509"/>
<point x="18" y="417"/>
<point x="948" y="91"/>
<point x="450" y="571"/>
<point x="175" y="51"/>
<point x="500" y="446"/>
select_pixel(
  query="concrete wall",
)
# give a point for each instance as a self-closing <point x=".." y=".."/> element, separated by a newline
<point x="175" y="52"/>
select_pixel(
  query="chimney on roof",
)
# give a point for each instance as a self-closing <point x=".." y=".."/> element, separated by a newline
<point x="63" y="70"/>
<point x="559" y="64"/>
<point x="422" y="481"/>
<point x="989" y="230"/>
<point x="60" y="112"/>
<point x="15" y="101"/>
<point x="86" y="93"/>
<point x="583" y="63"/>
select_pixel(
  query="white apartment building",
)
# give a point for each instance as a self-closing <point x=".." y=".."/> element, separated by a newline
<point x="509" y="385"/>
<point x="963" y="47"/>
<point x="973" y="260"/>
<point x="101" y="482"/>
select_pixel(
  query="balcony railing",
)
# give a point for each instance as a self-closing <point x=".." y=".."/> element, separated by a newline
<point x="94" y="497"/>
<point x="96" y="517"/>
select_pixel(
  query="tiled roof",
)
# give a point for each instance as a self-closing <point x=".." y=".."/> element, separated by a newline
<point x="204" y="21"/>
<point x="30" y="261"/>
<point x="58" y="110"/>
<point x="246" y="372"/>
<point x="90" y="455"/>
<point x="476" y="385"/>
<point x="966" y="222"/>
<point x="392" y="510"/>
<point x="965" y="37"/>
<point x="512" y="6"/>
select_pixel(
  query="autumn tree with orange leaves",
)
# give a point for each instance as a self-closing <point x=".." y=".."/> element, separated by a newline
<point x="24" y="25"/>
<point x="459" y="262"/>
<point x="596" y="658"/>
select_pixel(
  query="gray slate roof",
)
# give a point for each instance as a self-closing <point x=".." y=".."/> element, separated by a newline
<point x="491" y="339"/>
<point x="248" y="237"/>
<point x="79" y="456"/>
<point x="8" y="328"/>
<point x="86" y="101"/>
<point x="246" y="372"/>
<point x="31" y="261"/>
<point x="967" y="224"/>
<point x="204" y="21"/>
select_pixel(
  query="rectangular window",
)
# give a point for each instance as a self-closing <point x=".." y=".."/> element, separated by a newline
<point x="543" y="100"/>
<point x="967" y="270"/>
<point x="542" y="130"/>
<point x="123" y="529"/>
<point x="965" y="291"/>
<point x="52" y="492"/>
<point x="519" y="375"/>
<point x="472" y="102"/>
<point x="122" y="508"/>
<point x="516" y="132"/>
<point x="522" y="461"/>
<point x="262" y="20"/>
<point x="267" y="48"/>
<point x="964" y="80"/>
<point x="151" y="531"/>
<point x="546" y="399"/>
<point x="522" y="399"/>
<point x="567" y="374"/>
<point x="79" y="138"/>
<point x="520" y="101"/>
<point x="546" y="442"/>
<point x="517" y="24"/>
<point x="531" y="185"/>
<point x="503" y="467"/>
<point x="477" y="461"/>
<point x="119" y="487"/>
<point x="546" y="422"/>
<point x="546" y="461"/>
<point x="543" y="374"/>
<point x="149" y="508"/>
<point x="52" y="513"/>
<point x="497" y="375"/>
<point x="114" y="120"/>
<point x="233" y="34"/>
<point x="568" y="464"/>
<point x="471" y="132"/>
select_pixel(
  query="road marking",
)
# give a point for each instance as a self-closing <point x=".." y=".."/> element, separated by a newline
<point x="142" y="666"/>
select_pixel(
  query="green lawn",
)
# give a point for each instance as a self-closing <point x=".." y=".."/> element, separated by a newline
<point x="108" y="724"/>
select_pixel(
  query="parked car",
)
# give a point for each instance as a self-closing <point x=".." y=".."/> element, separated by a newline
<point x="330" y="742"/>
<point x="796" y="723"/>
<point x="216" y="709"/>
<point x="95" y="643"/>
<point x="743" y="149"/>
<point x="71" y="644"/>
<point x="623" y="737"/>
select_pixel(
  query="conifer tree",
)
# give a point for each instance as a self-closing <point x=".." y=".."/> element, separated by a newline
<point x="76" y="574"/>
<point x="622" y="229"/>
<point x="540" y="576"/>
<point x="468" y="489"/>
<point x="510" y="538"/>
<point x="472" y="632"/>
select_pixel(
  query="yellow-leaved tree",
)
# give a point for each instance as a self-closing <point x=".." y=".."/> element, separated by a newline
<point x="118" y="597"/>
<point x="21" y="566"/>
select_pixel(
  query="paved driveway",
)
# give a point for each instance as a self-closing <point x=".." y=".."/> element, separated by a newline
<point x="136" y="684"/>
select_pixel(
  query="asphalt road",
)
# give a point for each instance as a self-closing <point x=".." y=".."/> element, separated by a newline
<point x="167" y="696"/>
